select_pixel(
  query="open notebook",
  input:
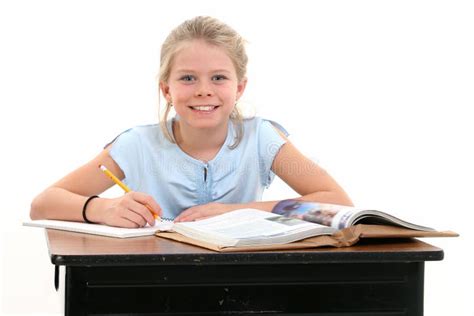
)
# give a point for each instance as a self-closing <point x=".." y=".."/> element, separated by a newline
<point x="102" y="230"/>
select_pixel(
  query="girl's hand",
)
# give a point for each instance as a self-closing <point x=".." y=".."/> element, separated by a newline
<point x="204" y="211"/>
<point x="130" y="210"/>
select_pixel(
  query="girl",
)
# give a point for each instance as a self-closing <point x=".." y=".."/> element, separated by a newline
<point x="205" y="161"/>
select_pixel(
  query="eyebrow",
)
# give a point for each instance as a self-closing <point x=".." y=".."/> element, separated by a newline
<point x="192" y="71"/>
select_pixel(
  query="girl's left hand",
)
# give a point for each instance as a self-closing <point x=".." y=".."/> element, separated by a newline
<point x="204" y="211"/>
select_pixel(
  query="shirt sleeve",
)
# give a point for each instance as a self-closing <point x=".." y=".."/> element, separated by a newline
<point x="269" y="144"/>
<point x="126" y="151"/>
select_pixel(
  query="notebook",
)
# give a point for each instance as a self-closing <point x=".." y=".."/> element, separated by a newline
<point x="102" y="230"/>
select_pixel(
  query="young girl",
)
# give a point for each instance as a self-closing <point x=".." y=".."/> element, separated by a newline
<point x="205" y="161"/>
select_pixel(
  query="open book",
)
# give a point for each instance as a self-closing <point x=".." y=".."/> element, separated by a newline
<point x="338" y="216"/>
<point x="242" y="227"/>
<point x="289" y="221"/>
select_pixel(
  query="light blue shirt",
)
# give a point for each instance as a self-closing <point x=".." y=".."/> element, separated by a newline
<point x="177" y="181"/>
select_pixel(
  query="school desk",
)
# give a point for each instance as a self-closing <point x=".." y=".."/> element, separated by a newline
<point x="154" y="276"/>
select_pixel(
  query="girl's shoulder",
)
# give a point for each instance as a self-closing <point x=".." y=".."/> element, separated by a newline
<point x="258" y="123"/>
<point x="140" y="134"/>
<point x="146" y="130"/>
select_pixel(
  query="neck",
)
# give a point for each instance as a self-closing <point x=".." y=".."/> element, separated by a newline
<point x="201" y="144"/>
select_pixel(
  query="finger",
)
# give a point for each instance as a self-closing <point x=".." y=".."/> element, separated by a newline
<point x="133" y="217"/>
<point x="141" y="214"/>
<point x="200" y="212"/>
<point x="123" y="222"/>
<point x="135" y="202"/>
<point x="184" y="214"/>
<point x="189" y="216"/>
<point x="195" y="218"/>
<point x="146" y="199"/>
<point x="204" y="217"/>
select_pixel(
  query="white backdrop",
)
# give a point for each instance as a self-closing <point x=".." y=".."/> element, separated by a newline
<point x="377" y="92"/>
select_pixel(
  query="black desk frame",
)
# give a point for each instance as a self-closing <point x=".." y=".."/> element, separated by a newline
<point x="308" y="282"/>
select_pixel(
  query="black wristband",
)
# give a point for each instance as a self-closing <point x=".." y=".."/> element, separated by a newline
<point x="85" y="207"/>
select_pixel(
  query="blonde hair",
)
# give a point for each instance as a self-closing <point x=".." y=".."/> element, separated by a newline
<point x="215" y="33"/>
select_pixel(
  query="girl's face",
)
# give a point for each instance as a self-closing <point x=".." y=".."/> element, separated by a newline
<point x="203" y="85"/>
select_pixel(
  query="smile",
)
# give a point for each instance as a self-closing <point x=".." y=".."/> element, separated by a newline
<point x="204" y="108"/>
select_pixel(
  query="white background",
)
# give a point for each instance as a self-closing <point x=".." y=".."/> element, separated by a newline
<point x="377" y="92"/>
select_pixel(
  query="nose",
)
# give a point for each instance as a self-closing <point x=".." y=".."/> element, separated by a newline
<point x="204" y="89"/>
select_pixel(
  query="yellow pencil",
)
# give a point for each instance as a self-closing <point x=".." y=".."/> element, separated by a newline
<point x="124" y="187"/>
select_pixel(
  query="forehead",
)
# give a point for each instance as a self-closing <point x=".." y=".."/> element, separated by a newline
<point x="201" y="56"/>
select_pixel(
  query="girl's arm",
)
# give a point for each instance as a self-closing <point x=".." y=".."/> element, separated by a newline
<point x="308" y="179"/>
<point x="303" y="175"/>
<point x="65" y="199"/>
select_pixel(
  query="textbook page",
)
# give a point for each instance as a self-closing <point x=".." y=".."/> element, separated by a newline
<point x="349" y="217"/>
<point x="339" y="216"/>
<point x="250" y="227"/>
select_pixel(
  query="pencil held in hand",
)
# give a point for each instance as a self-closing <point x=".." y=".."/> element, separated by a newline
<point x="114" y="178"/>
<point x="125" y="187"/>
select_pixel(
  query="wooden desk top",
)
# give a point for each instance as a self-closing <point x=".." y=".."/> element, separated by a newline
<point x="76" y="249"/>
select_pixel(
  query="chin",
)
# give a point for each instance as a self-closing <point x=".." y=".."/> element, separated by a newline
<point x="207" y="123"/>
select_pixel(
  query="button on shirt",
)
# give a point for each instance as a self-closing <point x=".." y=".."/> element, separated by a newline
<point x="177" y="181"/>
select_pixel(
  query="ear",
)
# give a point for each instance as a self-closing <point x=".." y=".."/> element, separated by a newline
<point x="241" y="88"/>
<point x="165" y="90"/>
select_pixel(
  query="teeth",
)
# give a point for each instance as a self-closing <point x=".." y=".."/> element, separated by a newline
<point x="203" y="108"/>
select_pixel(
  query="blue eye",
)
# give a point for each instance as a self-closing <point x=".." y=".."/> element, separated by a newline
<point x="219" y="78"/>
<point x="187" y="78"/>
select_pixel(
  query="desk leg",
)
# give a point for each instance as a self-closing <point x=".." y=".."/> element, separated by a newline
<point x="342" y="289"/>
<point x="75" y="292"/>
